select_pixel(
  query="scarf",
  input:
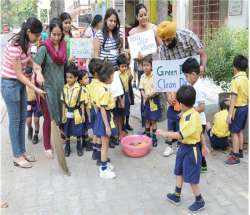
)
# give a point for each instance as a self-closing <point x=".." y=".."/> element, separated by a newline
<point x="59" y="57"/>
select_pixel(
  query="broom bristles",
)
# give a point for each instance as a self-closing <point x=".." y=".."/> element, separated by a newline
<point x="58" y="149"/>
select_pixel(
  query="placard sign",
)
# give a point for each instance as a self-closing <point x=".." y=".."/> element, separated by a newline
<point x="116" y="86"/>
<point x="142" y="42"/>
<point x="80" y="47"/>
<point x="168" y="76"/>
<point x="235" y="7"/>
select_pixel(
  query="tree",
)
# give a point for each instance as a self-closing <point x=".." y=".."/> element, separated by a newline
<point x="57" y="8"/>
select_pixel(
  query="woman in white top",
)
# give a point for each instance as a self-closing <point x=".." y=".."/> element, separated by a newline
<point x="108" y="42"/>
<point x="141" y="24"/>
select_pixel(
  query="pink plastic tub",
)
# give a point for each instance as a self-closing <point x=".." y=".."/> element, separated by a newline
<point x="135" y="151"/>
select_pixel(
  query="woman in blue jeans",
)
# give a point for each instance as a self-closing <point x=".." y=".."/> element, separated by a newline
<point x="13" y="86"/>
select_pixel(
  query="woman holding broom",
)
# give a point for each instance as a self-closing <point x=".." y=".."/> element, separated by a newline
<point x="13" y="81"/>
<point x="52" y="56"/>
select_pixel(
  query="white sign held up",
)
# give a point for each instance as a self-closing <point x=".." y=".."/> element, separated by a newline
<point x="143" y="43"/>
<point x="80" y="47"/>
<point x="116" y="86"/>
<point x="168" y="76"/>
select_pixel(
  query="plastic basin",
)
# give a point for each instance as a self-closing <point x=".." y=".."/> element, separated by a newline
<point x="135" y="151"/>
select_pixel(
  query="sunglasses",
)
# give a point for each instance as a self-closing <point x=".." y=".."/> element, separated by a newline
<point x="169" y="39"/>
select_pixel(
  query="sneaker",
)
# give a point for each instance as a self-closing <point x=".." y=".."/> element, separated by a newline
<point x="109" y="166"/>
<point x="35" y="139"/>
<point x="232" y="161"/>
<point x="115" y="140"/>
<point x="107" y="174"/>
<point x="240" y="154"/>
<point x="155" y="142"/>
<point x="79" y="151"/>
<point x="111" y="143"/>
<point x="172" y="198"/>
<point x="30" y="133"/>
<point x="203" y="169"/>
<point x="168" y="151"/>
<point x="197" y="206"/>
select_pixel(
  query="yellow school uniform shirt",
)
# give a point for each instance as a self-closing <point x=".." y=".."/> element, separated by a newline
<point x="87" y="99"/>
<point x="129" y="72"/>
<point x="147" y="84"/>
<point x="74" y="93"/>
<point x="220" y="127"/>
<point x="124" y="77"/>
<point x="105" y="97"/>
<point x="239" y="87"/>
<point x="190" y="127"/>
<point x="93" y="89"/>
<point x="31" y="96"/>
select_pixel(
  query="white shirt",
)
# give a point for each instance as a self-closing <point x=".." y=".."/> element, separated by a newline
<point x="200" y="98"/>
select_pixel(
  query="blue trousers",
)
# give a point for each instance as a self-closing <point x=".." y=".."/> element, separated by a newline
<point x="15" y="98"/>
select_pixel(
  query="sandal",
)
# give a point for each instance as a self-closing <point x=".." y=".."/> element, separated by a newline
<point x="29" y="156"/>
<point x="20" y="164"/>
<point x="49" y="154"/>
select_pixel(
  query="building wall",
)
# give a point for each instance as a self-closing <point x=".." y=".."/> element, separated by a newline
<point x="239" y="20"/>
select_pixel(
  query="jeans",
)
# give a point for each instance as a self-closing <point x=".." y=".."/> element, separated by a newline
<point x="15" y="98"/>
<point x="143" y="120"/>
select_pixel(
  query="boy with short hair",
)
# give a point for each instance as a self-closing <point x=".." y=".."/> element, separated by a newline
<point x="218" y="133"/>
<point x="191" y="70"/>
<point x="32" y="108"/>
<point x="188" y="157"/>
<point x="238" y="109"/>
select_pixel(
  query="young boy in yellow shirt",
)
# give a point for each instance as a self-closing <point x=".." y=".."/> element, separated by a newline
<point x="238" y="109"/>
<point x="218" y="133"/>
<point x="188" y="157"/>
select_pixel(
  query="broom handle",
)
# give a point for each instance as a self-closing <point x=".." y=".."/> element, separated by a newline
<point x="48" y="104"/>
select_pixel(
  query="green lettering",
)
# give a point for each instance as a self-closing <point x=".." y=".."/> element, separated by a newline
<point x="160" y="73"/>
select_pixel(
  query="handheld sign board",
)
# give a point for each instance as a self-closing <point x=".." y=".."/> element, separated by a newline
<point x="143" y="42"/>
<point x="168" y="76"/>
<point x="116" y="86"/>
<point x="80" y="47"/>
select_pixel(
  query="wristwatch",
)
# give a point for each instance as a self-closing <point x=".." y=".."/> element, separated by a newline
<point x="205" y="68"/>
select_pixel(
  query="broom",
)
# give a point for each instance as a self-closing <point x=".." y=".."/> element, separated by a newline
<point x="56" y="139"/>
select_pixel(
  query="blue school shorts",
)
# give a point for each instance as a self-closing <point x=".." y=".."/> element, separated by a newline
<point x="188" y="163"/>
<point x="32" y="107"/>
<point x="239" y="120"/>
<point x="217" y="142"/>
<point x="173" y="119"/>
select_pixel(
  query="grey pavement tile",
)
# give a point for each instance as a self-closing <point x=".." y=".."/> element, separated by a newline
<point x="101" y="196"/>
<point x="106" y="208"/>
<point x="59" y="197"/>
<point x="58" y="186"/>
<point x="30" y="210"/>
<point x="73" y="201"/>
<point x="87" y="193"/>
<point x="72" y="190"/>
<point x="88" y="204"/>
<point x="122" y="209"/>
<point x="60" y="208"/>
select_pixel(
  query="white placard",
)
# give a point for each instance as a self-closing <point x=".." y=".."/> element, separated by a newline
<point x="116" y="86"/>
<point x="235" y="7"/>
<point x="80" y="47"/>
<point x="142" y="42"/>
<point x="168" y="76"/>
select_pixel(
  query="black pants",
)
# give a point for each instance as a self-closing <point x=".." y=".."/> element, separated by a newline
<point x="203" y="160"/>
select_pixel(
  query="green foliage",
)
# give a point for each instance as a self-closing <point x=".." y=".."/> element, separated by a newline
<point x="222" y="46"/>
<point x="101" y="2"/>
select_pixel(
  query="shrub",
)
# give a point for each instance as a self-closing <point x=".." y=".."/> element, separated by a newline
<point x="222" y="46"/>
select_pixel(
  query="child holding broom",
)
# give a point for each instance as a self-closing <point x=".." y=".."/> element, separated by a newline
<point x="73" y="114"/>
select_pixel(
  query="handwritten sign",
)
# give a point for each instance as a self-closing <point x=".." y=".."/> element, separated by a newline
<point x="142" y="42"/>
<point x="168" y="76"/>
<point x="80" y="47"/>
<point x="116" y="86"/>
<point x="235" y="7"/>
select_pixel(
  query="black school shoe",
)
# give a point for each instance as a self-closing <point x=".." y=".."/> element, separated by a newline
<point x="83" y="144"/>
<point x="124" y="128"/>
<point x="89" y="147"/>
<point x="114" y="140"/>
<point x="155" y="142"/>
<point x="129" y="128"/>
<point x="111" y="143"/>
<point x="79" y="151"/>
<point x="35" y="139"/>
<point x="98" y="162"/>
<point x="67" y="151"/>
<point x="30" y="133"/>
<point x="94" y="156"/>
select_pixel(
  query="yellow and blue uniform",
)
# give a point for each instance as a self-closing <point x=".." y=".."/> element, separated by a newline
<point x="152" y="108"/>
<point x="72" y="98"/>
<point x="173" y="115"/>
<point x="239" y="87"/>
<point x="125" y="98"/>
<point x="93" y="92"/>
<point x="85" y="91"/>
<point x="188" y="158"/>
<point x="219" y="133"/>
<point x="105" y="99"/>
<point x="31" y="102"/>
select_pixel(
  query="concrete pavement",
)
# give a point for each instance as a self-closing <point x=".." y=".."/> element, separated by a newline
<point x="140" y="187"/>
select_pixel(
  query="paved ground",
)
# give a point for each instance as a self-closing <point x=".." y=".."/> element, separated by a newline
<point x="140" y="187"/>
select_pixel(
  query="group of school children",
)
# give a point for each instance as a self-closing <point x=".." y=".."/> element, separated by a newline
<point x="94" y="107"/>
